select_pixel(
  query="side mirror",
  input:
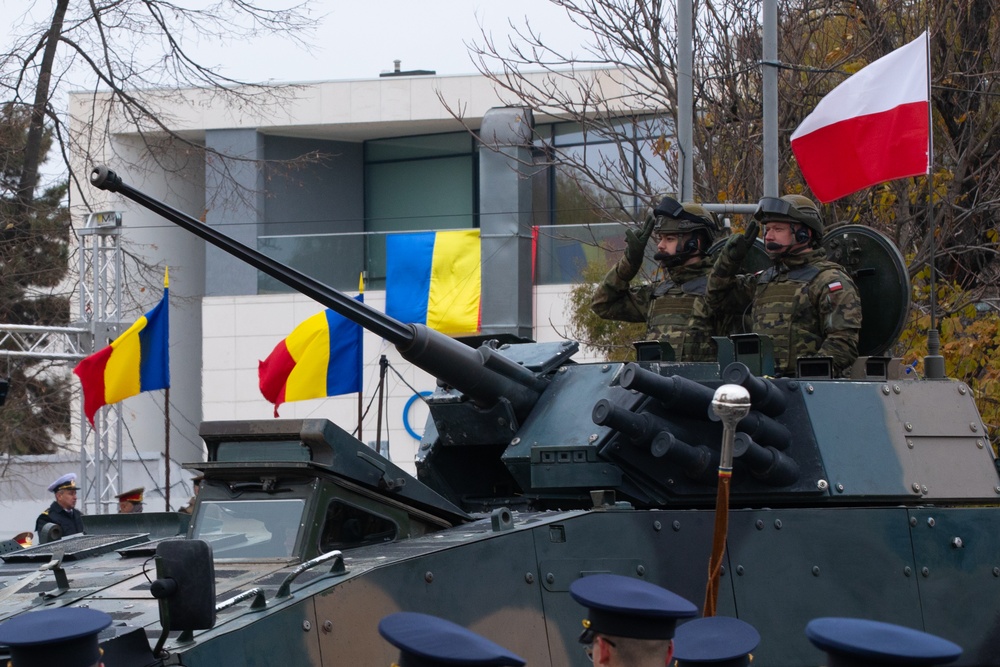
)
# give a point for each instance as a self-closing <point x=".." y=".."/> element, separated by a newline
<point x="185" y="585"/>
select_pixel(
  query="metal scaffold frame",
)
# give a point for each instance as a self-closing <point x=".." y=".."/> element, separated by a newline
<point x="100" y="309"/>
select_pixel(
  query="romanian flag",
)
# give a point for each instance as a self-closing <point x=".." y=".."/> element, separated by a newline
<point x="321" y="357"/>
<point x="433" y="278"/>
<point x="136" y="361"/>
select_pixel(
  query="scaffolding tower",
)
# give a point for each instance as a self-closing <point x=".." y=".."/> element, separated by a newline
<point x="100" y="312"/>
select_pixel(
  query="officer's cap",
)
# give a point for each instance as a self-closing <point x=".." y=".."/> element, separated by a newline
<point x="132" y="495"/>
<point x="719" y="641"/>
<point x="66" y="482"/>
<point x="428" y="641"/>
<point x="626" y="607"/>
<point x="854" y="641"/>
<point x="24" y="539"/>
<point x="64" y="637"/>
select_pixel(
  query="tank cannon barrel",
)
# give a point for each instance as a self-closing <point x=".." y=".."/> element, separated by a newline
<point x="766" y="463"/>
<point x="449" y="360"/>
<point x="675" y="392"/>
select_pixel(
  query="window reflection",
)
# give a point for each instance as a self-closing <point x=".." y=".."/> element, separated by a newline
<point x="250" y="528"/>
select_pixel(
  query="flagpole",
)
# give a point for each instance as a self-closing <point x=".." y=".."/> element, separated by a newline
<point x="360" y="413"/>
<point x="933" y="362"/>
<point x="166" y="442"/>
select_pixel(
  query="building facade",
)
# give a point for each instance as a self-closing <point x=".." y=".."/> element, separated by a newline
<point x="388" y="157"/>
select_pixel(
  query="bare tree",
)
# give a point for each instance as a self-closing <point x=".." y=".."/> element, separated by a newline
<point x="133" y="56"/>
<point x="630" y="100"/>
<point x="130" y="53"/>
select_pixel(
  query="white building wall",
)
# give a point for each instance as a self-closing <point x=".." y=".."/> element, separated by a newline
<point x="216" y="342"/>
<point x="240" y="331"/>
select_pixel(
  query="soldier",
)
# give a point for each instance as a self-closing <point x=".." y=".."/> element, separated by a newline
<point x="196" y="485"/>
<point x="130" y="502"/>
<point x="808" y="305"/>
<point x="721" y="641"/>
<point x="62" y="511"/>
<point x="856" y="642"/>
<point x="428" y="641"/>
<point x="63" y="637"/>
<point x="630" y="623"/>
<point x="683" y="233"/>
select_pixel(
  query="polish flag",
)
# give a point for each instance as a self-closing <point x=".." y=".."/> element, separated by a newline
<point x="871" y="128"/>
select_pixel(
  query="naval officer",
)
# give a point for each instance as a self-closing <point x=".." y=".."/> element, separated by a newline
<point x="62" y="637"/>
<point x="857" y="642"/>
<point x="62" y="511"/>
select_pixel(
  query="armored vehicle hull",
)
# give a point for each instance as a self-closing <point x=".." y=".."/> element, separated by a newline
<point x="874" y="497"/>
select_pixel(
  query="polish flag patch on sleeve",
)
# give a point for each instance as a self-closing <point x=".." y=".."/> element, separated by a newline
<point x="835" y="286"/>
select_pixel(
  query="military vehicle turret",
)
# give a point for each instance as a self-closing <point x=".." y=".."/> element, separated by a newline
<point x="876" y="496"/>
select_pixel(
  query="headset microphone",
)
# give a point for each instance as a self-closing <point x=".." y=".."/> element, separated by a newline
<point x="772" y="246"/>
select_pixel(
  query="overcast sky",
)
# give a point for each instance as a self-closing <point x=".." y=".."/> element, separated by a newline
<point x="356" y="39"/>
<point x="361" y="38"/>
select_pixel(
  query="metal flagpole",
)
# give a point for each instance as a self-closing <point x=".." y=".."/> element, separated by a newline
<point x="933" y="362"/>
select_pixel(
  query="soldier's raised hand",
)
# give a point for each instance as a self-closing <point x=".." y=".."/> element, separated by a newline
<point x="635" y="244"/>
<point x="738" y="245"/>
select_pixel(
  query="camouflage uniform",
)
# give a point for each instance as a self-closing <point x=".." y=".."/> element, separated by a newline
<point x="807" y="304"/>
<point x="667" y="306"/>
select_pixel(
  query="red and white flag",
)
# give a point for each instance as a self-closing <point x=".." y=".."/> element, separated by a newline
<point x="871" y="128"/>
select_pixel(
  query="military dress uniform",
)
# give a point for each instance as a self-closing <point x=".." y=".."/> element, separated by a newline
<point x="806" y="303"/>
<point x="70" y="520"/>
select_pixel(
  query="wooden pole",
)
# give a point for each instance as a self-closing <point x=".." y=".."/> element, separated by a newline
<point x="731" y="403"/>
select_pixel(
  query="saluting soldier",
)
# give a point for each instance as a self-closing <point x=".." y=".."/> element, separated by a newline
<point x="62" y="511"/>
<point x="429" y="641"/>
<point x="807" y="304"/>
<point x="857" y="642"/>
<point x="630" y="622"/>
<point x="683" y="234"/>
<point x="63" y="637"/>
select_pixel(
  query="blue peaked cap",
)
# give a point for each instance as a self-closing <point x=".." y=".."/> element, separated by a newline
<point x="427" y="641"/>
<point x="66" y="637"/>
<point x="627" y="607"/>
<point x="856" y="641"/>
<point x="720" y="641"/>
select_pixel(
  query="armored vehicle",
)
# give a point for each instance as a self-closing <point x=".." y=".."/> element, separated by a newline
<point x="874" y="497"/>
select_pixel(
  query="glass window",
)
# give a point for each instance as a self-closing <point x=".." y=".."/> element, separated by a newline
<point x="347" y="526"/>
<point x="250" y="528"/>
<point x="409" y="148"/>
<point x="431" y="185"/>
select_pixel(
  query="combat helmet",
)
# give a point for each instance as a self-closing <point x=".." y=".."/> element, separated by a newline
<point x="792" y="208"/>
<point x="673" y="217"/>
